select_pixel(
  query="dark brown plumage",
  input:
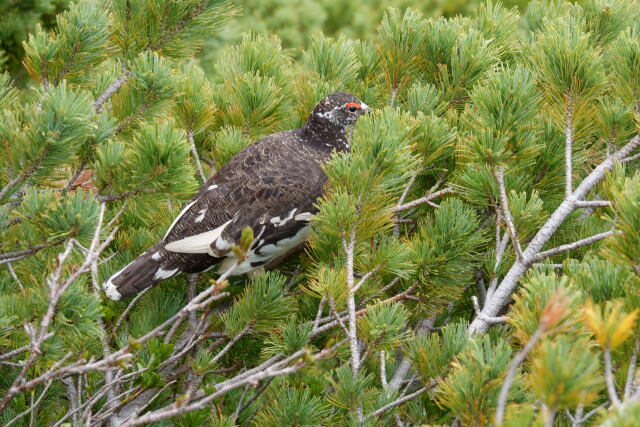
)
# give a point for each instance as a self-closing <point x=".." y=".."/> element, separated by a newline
<point x="270" y="186"/>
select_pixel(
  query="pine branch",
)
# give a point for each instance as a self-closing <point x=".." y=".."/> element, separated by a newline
<point x="56" y="290"/>
<point x="196" y="158"/>
<point x="127" y="194"/>
<point x="401" y="400"/>
<point x="608" y="376"/>
<point x="568" y="148"/>
<point x="24" y="253"/>
<point x="592" y="203"/>
<point x="490" y="320"/>
<point x="112" y="89"/>
<point x="348" y="247"/>
<point x="127" y="310"/>
<point x="631" y="370"/>
<point x="270" y="369"/>
<point x="424" y="328"/>
<point x="383" y="369"/>
<point x="422" y="200"/>
<point x="501" y="297"/>
<point x="506" y="212"/>
<point x="33" y="405"/>
<point x="513" y="369"/>
<point x="571" y="246"/>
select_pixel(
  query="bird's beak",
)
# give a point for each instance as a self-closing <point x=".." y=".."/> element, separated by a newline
<point x="365" y="108"/>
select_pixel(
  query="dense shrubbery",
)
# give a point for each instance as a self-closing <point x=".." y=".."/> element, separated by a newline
<point x="476" y="258"/>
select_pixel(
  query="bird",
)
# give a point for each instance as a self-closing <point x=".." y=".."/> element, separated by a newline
<point x="271" y="186"/>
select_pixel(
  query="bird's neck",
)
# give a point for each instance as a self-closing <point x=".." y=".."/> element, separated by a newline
<point x="326" y="134"/>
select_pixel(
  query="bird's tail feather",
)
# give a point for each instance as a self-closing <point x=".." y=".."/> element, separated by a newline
<point x="140" y="274"/>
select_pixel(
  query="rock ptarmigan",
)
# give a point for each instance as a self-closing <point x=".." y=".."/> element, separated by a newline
<point x="270" y="186"/>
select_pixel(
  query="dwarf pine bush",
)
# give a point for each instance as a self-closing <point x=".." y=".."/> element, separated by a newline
<point x="476" y="255"/>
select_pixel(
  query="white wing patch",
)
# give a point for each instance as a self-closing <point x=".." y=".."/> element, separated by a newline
<point x="198" y="244"/>
<point x="186" y="208"/>
<point x="111" y="289"/>
<point x="165" y="274"/>
<point x="212" y="187"/>
<point x="156" y="256"/>
<point x="305" y="216"/>
<point x="201" y="216"/>
<point x="277" y="222"/>
<point x="265" y="253"/>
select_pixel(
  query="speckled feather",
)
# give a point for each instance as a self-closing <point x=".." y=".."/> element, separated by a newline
<point x="270" y="186"/>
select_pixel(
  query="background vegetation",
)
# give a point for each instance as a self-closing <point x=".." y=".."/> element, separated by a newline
<point x="475" y="261"/>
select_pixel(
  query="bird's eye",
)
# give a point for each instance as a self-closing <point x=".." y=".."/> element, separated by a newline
<point x="352" y="107"/>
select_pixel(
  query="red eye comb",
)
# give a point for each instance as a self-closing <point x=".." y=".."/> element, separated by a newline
<point x="353" y="104"/>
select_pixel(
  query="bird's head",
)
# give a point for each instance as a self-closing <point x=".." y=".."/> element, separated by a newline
<point x="338" y="111"/>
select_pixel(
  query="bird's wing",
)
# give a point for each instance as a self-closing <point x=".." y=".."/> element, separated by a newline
<point x="274" y="203"/>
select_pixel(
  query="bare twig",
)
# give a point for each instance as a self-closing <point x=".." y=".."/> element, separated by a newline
<point x="196" y="158"/>
<point x="421" y="200"/>
<point x="33" y="406"/>
<point x="316" y="322"/>
<point x="351" y="303"/>
<point x="192" y="279"/>
<point x="570" y="246"/>
<point x="383" y="369"/>
<point x="343" y="316"/>
<point x="513" y="369"/>
<point x="24" y="253"/>
<point x="10" y="184"/>
<point x="396" y="228"/>
<point x="494" y="320"/>
<point x="506" y="212"/>
<point x="14" y="276"/>
<point x="501" y="297"/>
<point x="401" y="400"/>
<point x="608" y="377"/>
<point x="111" y="89"/>
<point x="631" y="370"/>
<point x="114" y="197"/>
<point x="332" y="307"/>
<point x="568" y="148"/>
<point x="271" y="368"/>
<point x="424" y="328"/>
<point x="257" y="394"/>
<point x="630" y="158"/>
<point x="127" y="310"/>
<point x="592" y="203"/>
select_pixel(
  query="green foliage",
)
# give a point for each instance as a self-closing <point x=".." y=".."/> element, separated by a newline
<point x="623" y="248"/>
<point x="292" y="406"/>
<point x="19" y="18"/>
<point x="261" y="306"/>
<point x="117" y="98"/>
<point x="79" y="43"/>
<point x="471" y="390"/>
<point x="504" y="108"/>
<point x="434" y="353"/>
<point x="384" y="326"/>
<point x="443" y="250"/>
<point x="529" y="304"/>
<point x="562" y="385"/>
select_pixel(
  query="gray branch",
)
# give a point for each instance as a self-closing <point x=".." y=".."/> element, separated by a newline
<point x="501" y="297"/>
